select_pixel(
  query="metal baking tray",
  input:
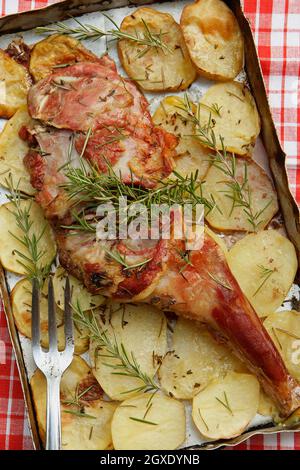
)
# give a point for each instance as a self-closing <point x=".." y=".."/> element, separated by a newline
<point x="18" y="23"/>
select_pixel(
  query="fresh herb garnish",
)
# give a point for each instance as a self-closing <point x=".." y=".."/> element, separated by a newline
<point x="31" y="240"/>
<point x="116" y="256"/>
<point x="265" y="274"/>
<point x="144" y="421"/>
<point x="82" y="31"/>
<point x="238" y="191"/>
<point x="126" y="363"/>
<point x="225" y="403"/>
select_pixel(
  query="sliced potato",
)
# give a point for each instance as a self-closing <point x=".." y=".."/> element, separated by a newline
<point x="226" y="406"/>
<point x="265" y="265"/>
<point x="12" y="152"/>
<point x="154" y="68"/>
<point x="80" y="294"/>
<point x="263" y="198"/>
<point x="14" y="85"/>
<point x="57" y="51"/>
<point x="284" y="329"/>
<point x="192" y="155"/>
<point x="195" y="359"/>
<point x="267" y="407"/>
<point x="10" y="247"/>
<point x="141" y="329"/>
<point x="236" y="120"/>
<point x="213" y="38"/>
<point x="21" y="308"/>
<point x="149" y="422"/>
<point x="90" y="432"/>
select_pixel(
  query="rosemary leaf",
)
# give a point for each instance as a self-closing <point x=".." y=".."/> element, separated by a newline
<point x="143" y="421"/>
<point x="80" y="414"/>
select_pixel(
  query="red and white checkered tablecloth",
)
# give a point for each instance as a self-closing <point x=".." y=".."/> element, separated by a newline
<point x="276" y="26"/>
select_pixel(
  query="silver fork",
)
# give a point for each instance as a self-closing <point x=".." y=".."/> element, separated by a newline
<point x="53" y="362"/>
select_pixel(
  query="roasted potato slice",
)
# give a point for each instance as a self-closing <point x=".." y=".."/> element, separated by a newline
<point x="15" y="83"/>
<point x="141" y="330"/>
<point x="57" y="51"/>
<point x="11" y="247"/>
<point x="234" y="116"/>
<point x="265" y="265"/>
<point x="149" y="422"/>
<point x="213" y="38"/>
<point x="229" y="214"/>
<point x="192" y="155"/>
<point x="194" y="360"/>
<point x="155" y="68"/>
<point x="79" y="293"/>
<point x="226" y="406"/>
<point x="266" y="407"/>
<point x="21" y="308"/>
<point x="86" y="421"/>
<point x="284" y="328"/>
<point x="12" y="152"/>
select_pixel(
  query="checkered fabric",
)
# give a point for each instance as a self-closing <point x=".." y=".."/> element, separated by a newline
<point x="276" y="26"/>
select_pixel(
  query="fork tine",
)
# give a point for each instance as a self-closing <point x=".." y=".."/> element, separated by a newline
<point x="69" y="327"/>
<point x="35" y="320"/>
<point x="52" y="329"/>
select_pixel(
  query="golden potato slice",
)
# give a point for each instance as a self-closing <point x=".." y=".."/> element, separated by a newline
<point x="266" y="407"/>
<point x="80" y="294"/>
<point x="149" y="422"/>
<point x="141" y="329"/>
<point x="236" y="120"/>
<point x="229" y="214"/>
<point x="15" y="83"/>
<point x="12" y="152"/>
<point x="154" y="68"/>
<point x="86" y="421"/>
<point x="284" y="329"/>
<point x="21" y="308"/>
<point x="213" y="38"/>
<point x="192" y="155"/>
<point x="57" y="51"/>
<point x="195" y="359"/>
<point x="226" y="406"/>
<point x="10" y="247"/>
<point x="265" y="265"/>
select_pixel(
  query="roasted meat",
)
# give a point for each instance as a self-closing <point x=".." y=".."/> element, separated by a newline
<point x="93" y="98"/>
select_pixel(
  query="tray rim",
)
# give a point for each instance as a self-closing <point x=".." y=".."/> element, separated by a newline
<point x="80" y="8"/>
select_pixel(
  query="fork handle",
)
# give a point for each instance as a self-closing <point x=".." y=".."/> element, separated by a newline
<point x="53" y="414"/>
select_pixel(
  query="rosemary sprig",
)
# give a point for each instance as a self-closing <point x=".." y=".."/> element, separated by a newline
<point x="82" y="31"/>
<point x="265" y="274"/>
<point x="238" y="191"/>
<point x="126" y="364"/>
<point x="31" y="240"/>
<point x="116" y="256"/>
<point x="225" y="403"/>
<point x="87" y="185"/>
<point x="76" y="400"/>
